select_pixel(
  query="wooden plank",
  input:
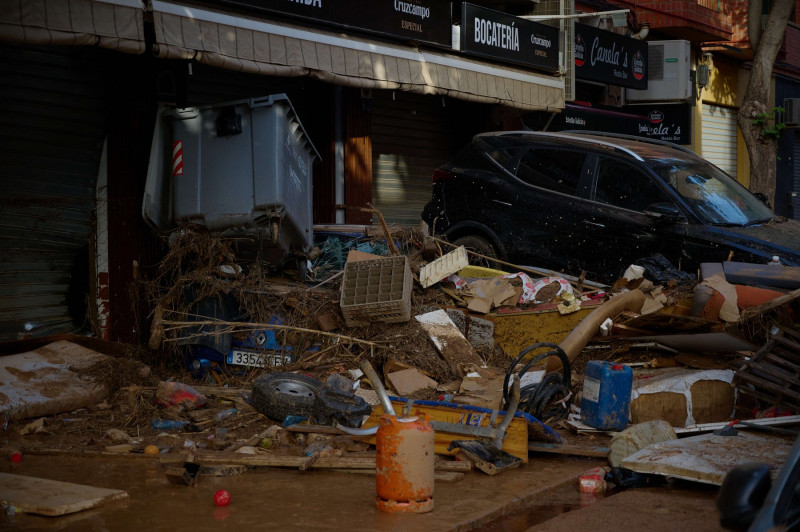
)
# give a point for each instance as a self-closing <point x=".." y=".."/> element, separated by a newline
<point x="51" y="497"/>
<point x="447" y="477"/>
<point x="769" y="398"/>
<point x="574" y="450"/>
<point x="317" y="429"/>
<point x="778" y="301"/>
<point x="361" y="461"/>
<point x="764" y="383"/>
<point x="794" y="346"/>
<point x="778" y="361"/>
<point x="778" y="373"/>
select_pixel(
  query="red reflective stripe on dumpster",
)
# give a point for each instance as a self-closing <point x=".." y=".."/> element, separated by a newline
<point x="177" y="158"/>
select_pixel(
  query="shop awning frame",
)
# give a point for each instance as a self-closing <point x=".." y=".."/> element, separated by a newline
<point x="279" y="49"/>
<point x="112" y="24"/>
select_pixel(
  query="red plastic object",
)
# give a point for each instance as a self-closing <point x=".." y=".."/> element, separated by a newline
<point x="617" y="367"/>
<point x="222" y="498"/>
<point x="593" y="481"/>
<point x="16" y="457"/>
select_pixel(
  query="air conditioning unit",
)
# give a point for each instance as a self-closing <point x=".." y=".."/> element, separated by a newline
<point x="668" y="76"/>
<point x="791" y="112"/>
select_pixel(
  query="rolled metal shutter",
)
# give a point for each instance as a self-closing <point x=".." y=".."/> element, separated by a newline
<point x="719" y="137"/>
<point x="52" y="127"/>
<point x="409" y="140"/>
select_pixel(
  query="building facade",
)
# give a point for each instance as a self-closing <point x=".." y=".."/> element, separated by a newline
<point x="383" y="89"/>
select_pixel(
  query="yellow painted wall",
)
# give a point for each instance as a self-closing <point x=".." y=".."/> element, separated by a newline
<point x="726" y="87"/>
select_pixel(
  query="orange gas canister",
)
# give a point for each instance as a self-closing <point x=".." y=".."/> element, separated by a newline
<point x="405" y="465"/>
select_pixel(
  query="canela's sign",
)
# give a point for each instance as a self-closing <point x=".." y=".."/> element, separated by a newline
<point x="610" y="58"/>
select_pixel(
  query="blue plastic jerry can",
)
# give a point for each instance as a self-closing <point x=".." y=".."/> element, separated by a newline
<point x="606" y="395"/>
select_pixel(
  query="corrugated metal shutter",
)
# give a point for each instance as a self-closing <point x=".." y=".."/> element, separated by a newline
<point x="52" y="125"/>
<point x="409" y="140"/>
<point x="719" y="137"/>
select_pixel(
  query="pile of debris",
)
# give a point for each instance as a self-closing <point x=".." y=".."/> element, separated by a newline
<point x="277" y="371"/>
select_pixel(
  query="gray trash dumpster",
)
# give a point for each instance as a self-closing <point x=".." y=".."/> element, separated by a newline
<point x="244" y="168"/>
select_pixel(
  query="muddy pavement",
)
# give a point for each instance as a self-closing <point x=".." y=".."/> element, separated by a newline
<point x="282" y="499"/>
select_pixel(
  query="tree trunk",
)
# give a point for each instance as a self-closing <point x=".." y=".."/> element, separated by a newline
<point x="763" y="150"/>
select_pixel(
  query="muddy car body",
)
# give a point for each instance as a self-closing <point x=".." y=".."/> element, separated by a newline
<point x="576" y="201"/>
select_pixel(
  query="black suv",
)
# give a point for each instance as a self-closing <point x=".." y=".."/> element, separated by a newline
<point x="599" y="202"/>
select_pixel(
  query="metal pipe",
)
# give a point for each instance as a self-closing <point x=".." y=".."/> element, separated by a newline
<point x="510" y="413"/>
<point x="377" y="385"/>
<point x="338" y="151"/>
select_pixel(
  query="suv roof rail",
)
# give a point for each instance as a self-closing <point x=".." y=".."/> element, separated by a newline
<point x="630" y="137"/>
<point x="562" y="135"/>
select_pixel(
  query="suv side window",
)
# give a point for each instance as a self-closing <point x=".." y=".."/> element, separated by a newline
<point x="553" y="169"/>
<point x="508" y="158"/>
<point x="623" y="185"/>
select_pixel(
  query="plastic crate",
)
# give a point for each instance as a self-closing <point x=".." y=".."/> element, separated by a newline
<point x="376" y="290"/>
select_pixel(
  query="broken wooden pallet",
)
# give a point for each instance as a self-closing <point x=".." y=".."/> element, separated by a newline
<point x="773" y="373"/>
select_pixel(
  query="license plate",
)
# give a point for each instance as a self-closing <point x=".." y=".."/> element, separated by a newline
<point x="258" y="360"/>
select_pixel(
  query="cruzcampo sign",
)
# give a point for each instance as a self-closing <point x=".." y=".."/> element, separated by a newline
<point x="409" y="20"/>
<point x="496" y="35"/>
<point x="610" y="58"/>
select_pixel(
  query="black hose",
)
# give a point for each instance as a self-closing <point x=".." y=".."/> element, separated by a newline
<point x="550" y="399"/>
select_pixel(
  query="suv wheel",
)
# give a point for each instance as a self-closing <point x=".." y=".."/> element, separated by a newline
<point x="481" y="246"/>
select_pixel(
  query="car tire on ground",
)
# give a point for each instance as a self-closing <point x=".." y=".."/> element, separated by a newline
<point x="281" y="394"/>
<point x="479" y="245"/>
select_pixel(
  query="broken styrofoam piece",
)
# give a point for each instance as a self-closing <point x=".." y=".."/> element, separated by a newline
<point x="637" y="437"/>
<point x="449" y="341"/>
<point x="633" y="272"/>
<point x="443" y="267"/>
<point x="531" y="377"/>
<point x="49" y="380"/>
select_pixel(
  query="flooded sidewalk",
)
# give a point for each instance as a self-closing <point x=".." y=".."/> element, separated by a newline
<point x="281" y="499"/>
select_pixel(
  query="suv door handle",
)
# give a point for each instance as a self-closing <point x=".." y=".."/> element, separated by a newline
<point x="502" y="203"/>
<point x="587" y="222"/>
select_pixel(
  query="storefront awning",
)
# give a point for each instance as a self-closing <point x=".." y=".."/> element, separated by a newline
<point x="112" y="24"/>
<point x="278" y="49"/>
